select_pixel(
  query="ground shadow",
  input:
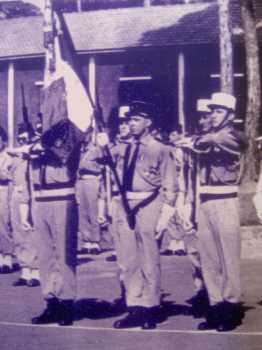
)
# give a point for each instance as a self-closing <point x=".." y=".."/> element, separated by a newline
<point x="96" y="309"/>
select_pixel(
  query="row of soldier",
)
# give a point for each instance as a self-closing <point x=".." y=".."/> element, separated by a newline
<point x="144" y="188"/>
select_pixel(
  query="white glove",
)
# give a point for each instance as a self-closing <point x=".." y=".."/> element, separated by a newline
<point x="102" y="139"/>
<point x="24" y="211"/>
<point x="101" y="217"/>
<point x="257" y="200"/>
<point x="166" y="213"/>
<point x="17" y="151"/>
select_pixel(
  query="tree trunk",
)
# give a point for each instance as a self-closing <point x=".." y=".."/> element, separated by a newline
<point x="253" y="88"/>
<point x="226" y="49"/>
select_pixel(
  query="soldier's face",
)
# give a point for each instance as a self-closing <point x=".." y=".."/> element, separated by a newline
<point x="139" y="125"/>
<point x="23" y="139"/>
<point x="124" y="129"/>
<point x="204" y="122"/>
<point x="219" y="116"/>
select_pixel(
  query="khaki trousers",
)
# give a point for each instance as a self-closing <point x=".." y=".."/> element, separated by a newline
<point x="56" y="229"/>
<point x="138" y="253"/>
<point x="219" y="246"/>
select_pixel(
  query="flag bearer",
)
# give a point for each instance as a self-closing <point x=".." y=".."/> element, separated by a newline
<point x="55" y="220"/>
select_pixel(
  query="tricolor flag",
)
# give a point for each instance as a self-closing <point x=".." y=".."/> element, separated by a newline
<point x="64" y="96"/>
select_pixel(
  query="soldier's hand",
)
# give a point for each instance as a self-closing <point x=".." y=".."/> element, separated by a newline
<point x="102" y="139"/>
<point x="101" y="219"/>
<point x="166" y="213"/>
<point x="26" y="226"/>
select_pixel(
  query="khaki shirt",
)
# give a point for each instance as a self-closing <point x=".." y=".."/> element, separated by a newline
<point x="221" y="158"/>
<point x="90" y="159"/>
<point x="155" y="167"/>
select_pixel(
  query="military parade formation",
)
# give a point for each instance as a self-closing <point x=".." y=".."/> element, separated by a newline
<point x="141" y="188"/>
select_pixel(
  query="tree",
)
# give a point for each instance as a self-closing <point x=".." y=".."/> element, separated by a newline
<point x="248" y="12"/>
<point x="226" y="47"/>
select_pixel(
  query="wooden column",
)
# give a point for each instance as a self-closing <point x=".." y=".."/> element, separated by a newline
<point x="10" y="103"/>
<point x="181" y="91"/>
<point x="92" y="77"/>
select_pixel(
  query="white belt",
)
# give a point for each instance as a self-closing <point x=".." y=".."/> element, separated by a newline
<point x="55" y="193"/>
<point x="89" y="176"/>
<point x="218" y="189"/>
<point x="138" y="195"/>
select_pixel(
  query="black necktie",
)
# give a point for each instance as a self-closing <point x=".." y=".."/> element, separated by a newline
<point x="129" y="167"/>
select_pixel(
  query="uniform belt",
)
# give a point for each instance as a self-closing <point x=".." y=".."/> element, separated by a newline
<point x="135" y="195"/>
<point x="56" y="194"/>
<point x="83" y="172"/>
<point x="220" y="190"/>
<point x="4" y="183"/>
<point x="89" y="176"/>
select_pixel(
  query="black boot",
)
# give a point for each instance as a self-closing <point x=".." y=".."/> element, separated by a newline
<point x="231" y="316"/>
<point x="149" y="318"/>
<point x="50" y="315"/>
<point x="212" y="318"/>
<point x="66" y="313"/>
<point x="119" y="304"/>
<point x="200" y="304"/>
<point x="132" y="320"/>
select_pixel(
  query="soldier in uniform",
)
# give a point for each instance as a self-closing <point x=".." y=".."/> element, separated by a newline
<point x="87" y="188"/>
<point x="199" y="301"/>
<point x="23" y="234"/>
<point x="149" y="184"/>
<point x="55" y="220"/>
<point x="218" y="224"/>
<point x="6" y="239"/>
<point x="124" y="136"/>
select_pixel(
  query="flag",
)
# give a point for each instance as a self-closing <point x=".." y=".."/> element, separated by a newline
<point x="64" y="96"/>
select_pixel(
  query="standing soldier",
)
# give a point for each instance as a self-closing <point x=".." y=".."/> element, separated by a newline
<point x="124" y="136"/>
<point x="87" y="187"/>
<point x="219" y="224"/>
<point x="6" y="240"/>
<point x="23" y="234"/>
<point x="200" y="300"/>
<point x="55" y="220"/>
<point x="149" y="186"/>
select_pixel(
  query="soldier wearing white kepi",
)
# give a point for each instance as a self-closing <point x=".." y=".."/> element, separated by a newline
<point x="149" y="183"/>
<point x="191" y="183"/>
<point x="218" y="223"/>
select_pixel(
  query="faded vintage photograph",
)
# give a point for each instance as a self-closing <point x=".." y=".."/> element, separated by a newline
<point x="130" y="175"/>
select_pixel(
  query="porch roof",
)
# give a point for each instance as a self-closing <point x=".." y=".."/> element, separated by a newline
<point x="120" y="29"/>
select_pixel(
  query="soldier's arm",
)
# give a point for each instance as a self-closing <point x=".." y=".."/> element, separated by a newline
<point x="225" y="139"/>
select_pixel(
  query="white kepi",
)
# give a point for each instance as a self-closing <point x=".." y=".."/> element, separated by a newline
<point x="224" y="100"/>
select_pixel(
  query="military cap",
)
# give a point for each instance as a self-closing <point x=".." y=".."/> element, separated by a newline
<point x="203" y="105"/>
<point x="224" y="100"/>
<point x="142" y="109"/>
<point x="123" y="112"/>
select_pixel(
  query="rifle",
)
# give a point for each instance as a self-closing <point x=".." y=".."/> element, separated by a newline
<point x="100" y="126"/>
<point x="25" y="111"/>
<point x="24" y="107"/>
